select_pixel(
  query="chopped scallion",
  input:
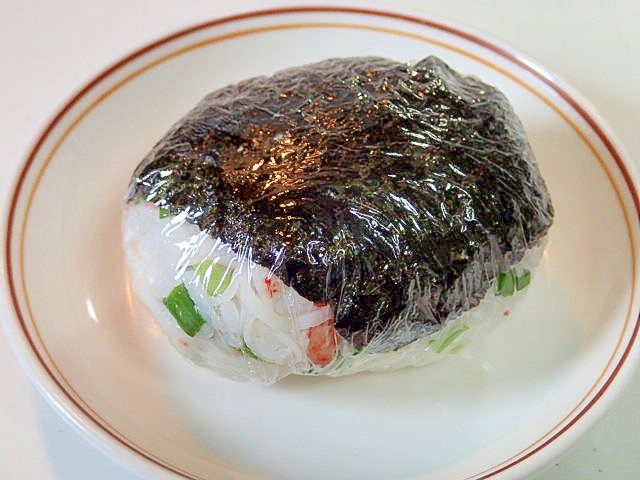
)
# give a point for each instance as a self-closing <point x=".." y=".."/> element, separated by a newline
<point x="442" y="343"/>
<point x="181" y="306"/>
<point x="164" y="212"/>
<point x="510" y="281"/>
<point x="506" y="284"/>
<point x="523" y="280"/>
<point x="248" y="352"/>
<point x="216" y="277"/>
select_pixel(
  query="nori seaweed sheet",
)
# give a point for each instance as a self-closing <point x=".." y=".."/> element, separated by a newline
<point x="397" y="192"/>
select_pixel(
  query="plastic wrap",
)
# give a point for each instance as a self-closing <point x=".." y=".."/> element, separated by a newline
<point x="347" y="215"/>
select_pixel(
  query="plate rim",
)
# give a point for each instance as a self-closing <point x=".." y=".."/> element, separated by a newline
<point x="40" y="370"/>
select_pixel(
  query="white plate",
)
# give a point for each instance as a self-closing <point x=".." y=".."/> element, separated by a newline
<point x="503" y="408"/>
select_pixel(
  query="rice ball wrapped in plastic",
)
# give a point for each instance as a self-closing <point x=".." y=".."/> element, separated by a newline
<point x="353" y="214"/>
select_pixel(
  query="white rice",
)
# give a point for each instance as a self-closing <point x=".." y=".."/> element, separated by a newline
<point x="256" y="328"/>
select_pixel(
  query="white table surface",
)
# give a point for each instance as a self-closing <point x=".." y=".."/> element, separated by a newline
<point x="51" y="48"/>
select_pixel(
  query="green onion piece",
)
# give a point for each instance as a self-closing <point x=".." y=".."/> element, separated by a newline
<point x="181" y="306"/>
<point x="506" y="284"/>
<point x="457" y="348"/>
<point x="164" y="212"/>
<point x="450" y="337"/>
<point x="248" y="352"/>
<point x="523" y="280"/>
<point x="216" y="277"/>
